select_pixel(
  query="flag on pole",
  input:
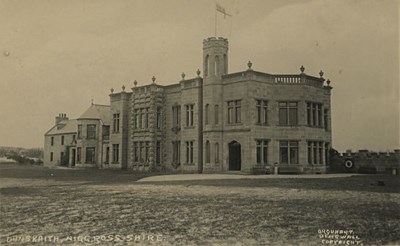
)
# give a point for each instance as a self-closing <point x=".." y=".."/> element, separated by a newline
<point x="222" y="10"/>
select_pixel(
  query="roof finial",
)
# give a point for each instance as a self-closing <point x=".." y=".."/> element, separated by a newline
<point x="249" y="64"/>
<point x="153" y="79"/>
<point x="198" y="72"/>
<point x="321" y="74"/>
<point x="112" y="90"/>
<point x="328" y="82"/>
<point x="302" y="69"/>
<point x="183" y="76"/>
<point x="123" y="87"/>
<point x="135" y="83"/>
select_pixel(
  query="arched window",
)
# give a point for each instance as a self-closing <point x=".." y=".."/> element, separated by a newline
<point x="216" y="153"/>
<point x="216" y="109"/>
<point x="216" y="69"/>
<point x="206" y="114"/>
<point x="208" y="152"/>
<point x="225" y="64"/>
<point x="206" y="65"/>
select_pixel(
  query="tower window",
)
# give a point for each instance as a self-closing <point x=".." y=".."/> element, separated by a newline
<point x="216" y="112"/>
<point x="206" y="65"/>
<point x="206" y="114"/>
<point x="216" y="153"/>
<point x="216" y="63"/>
<point x="225" y="64"/>
<point x="208" y="154"/>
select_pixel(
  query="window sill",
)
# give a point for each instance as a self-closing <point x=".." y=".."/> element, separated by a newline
<point x="189" y="127"/>
<point x="234" y="124"/>
<point x="319" y="127"/>
<point x="261" y="124"/>
<point x="189" y="164"/>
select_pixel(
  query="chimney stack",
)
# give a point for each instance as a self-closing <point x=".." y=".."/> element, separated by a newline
<point x="60" y="118"/>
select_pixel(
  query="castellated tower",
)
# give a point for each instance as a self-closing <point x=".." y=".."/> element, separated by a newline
<point x="215" y="65"/>
<point x="215" y="59"/>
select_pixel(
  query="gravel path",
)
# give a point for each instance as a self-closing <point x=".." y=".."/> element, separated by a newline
<point x="179" y="177"/>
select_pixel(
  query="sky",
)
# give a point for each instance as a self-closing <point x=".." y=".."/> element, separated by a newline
<point x="56" y="56"/>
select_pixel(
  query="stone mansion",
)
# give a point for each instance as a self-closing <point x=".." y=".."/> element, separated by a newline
<point x="246" y="121"/>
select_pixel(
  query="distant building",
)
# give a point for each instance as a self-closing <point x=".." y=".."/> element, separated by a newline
<point x="246" y="121"/>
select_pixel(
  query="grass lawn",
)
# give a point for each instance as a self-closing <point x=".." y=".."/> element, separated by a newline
<point x="104" y="207"/>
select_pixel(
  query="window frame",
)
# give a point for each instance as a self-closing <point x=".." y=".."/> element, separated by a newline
<point x="288" y="108"/>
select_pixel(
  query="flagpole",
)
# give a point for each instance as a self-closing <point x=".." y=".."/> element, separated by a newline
<point x="215" y="20"/>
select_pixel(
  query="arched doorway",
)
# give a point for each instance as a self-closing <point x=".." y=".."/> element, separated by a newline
<point x="234" y="156"/>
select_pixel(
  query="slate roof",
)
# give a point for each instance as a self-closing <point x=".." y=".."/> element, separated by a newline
<point x="97" y="112"/>
<point x="65" y="126"/>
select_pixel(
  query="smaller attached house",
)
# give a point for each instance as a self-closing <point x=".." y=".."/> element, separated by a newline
<point x="82" y="142"/>
<point x="59" y="140"/>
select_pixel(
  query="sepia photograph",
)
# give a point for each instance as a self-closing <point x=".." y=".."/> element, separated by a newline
<point x="212" y="122"/>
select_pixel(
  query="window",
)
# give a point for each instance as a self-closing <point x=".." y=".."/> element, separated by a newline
<point x="327" y="153"/>
<point x="147" y="151"/>
<point x="176" y="117"/>
<point x="208" y="154"/>
<point x="206" y="65"/>
<point x="136" y="151"/>
<point x="315" y="152"/>
<point x="52" y="141"/>
<point x="115" y="156"/>
<point x="73" y="138"/>
<point x="145" y="118"/>
<point x="141" y="152"/>
<point x="216" y="112"/>
<point x="262" y="151"/>
<point x="225" y="64"/>
<point x="91" y="131"/>
<point x="319" y="115"/>
<point x="314" y="114"/>
<point x="262" y="112"/>
<point x="106" y="132"/>
<point x="189" y="114"/>
<point x="287" y="113"/>
<point x="107" y="155"/>
<point x="79" y="131"/>
<point x="326" y="123"/>
<point x="140" y="122"/>
<point x="116" y="123"/>
<point x="62" y="140"/>
<point x="176" y="152"/>
<point x="189" y="152"/>
<point x="234" y="112"/>
<point x="158" y="152"/>
<point x="136" y="118"/>
<point x="51" y="156"/>
<point x="159" y="120"/>
<point x="216" y="68"/>
<point x="216" y="153"/>
<point x="206" y="114"/>
<point x="62" y="157"/>
<point x="289" y="152"/>
<point x="78" y="154"/>
<point x="90" y="155"/>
